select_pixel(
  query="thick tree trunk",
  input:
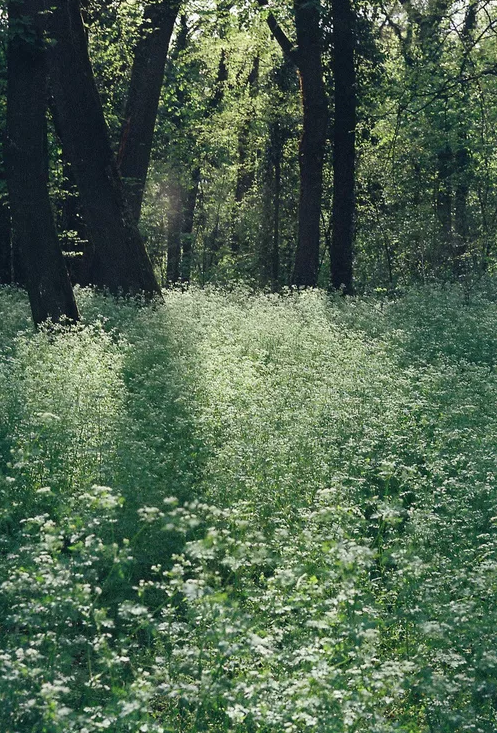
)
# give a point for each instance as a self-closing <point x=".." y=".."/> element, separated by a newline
<point x="143" y="99"/>
<point x="121" y="263"/>
<point x="74" y="239"/>
<point x="5" y="235"/>
<point x="313" y="141"/>
<point x="5" y="239"/>
<point x="49" y="289"/>
<point x="342" y="237"/>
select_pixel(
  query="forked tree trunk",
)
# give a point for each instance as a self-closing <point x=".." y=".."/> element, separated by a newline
<point x="341" y="250"/>
<point x="49" y="289"/>
<point x="121" y="263"/>
<point x="143" y="99"/>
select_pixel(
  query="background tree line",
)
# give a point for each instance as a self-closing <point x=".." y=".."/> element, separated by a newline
<point x="340" y="142"/>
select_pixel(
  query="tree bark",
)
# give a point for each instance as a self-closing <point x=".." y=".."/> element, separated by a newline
<point x="74" y="239"/>
<point x="5" y="239"/>
<point x="462" y="158"/>
<point x="313" y="141"/>
<point x="277" y="151"/>
<point x="49" y="289"/>
<point x="147" y="76"/>
<point x="174" y="228"/>
<point x="306" y="55"/>
<point x="188" y="222"/>
<point x="121" y="263"/>
<point x="342" y="238"/>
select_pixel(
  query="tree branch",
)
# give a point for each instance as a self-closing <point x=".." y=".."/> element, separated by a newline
<point x="288" y="48"/>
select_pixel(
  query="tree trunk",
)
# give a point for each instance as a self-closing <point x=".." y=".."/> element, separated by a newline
<point x="143" y="99"/>
<point x="174" y="228"/>
<point x="121" y="263"/>
<point x="49" y="289"/>
<point x="313" y="141"/>
<point x="188" y="222"/>
<point x="307" y="58"/>
<point x="344" y="125"/>
<point x="5" y="240"/>
<point x="74" y="239"/>
<point x="462" y="159"/>
<point x="276" y="137"/>
<point x="462" y="163"/>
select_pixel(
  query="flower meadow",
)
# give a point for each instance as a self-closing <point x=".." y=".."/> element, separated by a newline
<point x="244" y="512"/>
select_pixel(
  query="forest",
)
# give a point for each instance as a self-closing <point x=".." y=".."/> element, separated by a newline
<point x="248" y="351"/>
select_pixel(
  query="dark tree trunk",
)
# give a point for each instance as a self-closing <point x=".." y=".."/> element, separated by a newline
<point x="313" y="142"/>
<point x="174" y="228"/>
<point x="307" y="58"/>
<point x="276" y="137"/>
<point x="74" y="239"/>
<point x="5" y="235"/>
<point x="49" y="289"/>
<point x="462" y="163"/>
<point x="463" y="155"/>
<point x="143" y="99"/>
<point x="344" y="125"/>
<point x="5" y="239"/>
<point x="275" y="252"/>
<point x="121" y="263"/>
<point x="188" y="222"/>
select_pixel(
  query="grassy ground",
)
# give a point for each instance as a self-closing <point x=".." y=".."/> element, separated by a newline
<point x="238" y="512"/>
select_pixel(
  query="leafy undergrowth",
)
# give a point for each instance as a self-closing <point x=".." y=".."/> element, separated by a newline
<point x="238" y="512"/>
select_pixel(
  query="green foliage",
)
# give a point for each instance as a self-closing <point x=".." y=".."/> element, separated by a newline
<point x="328" y="561"/>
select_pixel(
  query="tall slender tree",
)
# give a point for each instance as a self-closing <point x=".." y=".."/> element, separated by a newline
<point x="47" y="281"/>
<point x="306" y="55"/>
<point x="344" y="125"/>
